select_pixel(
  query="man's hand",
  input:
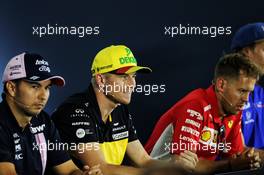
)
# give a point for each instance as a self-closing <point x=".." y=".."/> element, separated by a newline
<point x="187" y="160"/>
<point x="249" y="159"/>
<point x="255" y="160"/>
<point x="94" y="170"/>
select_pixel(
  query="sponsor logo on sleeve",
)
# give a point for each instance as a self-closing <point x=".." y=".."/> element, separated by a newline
<point x="192" y="122"/>
<point x="190" y="131"/>
<point x="196" y="114"/>
<point x="120" y="135"/>
<point x="206" y="108"/>
<point x="119" y="128"/>
<point x="188" y="139"/>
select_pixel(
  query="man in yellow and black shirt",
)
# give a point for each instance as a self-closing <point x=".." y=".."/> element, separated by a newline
<point x="99" y="122"/>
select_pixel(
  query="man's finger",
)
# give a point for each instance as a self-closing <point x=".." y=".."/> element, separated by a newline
<point x="95" y="171"/>
<point x="186" y="162"/>
<point x="190" y="156"/>
<point x="86" y="168"/>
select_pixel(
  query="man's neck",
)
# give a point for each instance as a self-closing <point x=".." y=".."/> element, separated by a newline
<point x="106" y="105"/>
<point x="19" y="115"/>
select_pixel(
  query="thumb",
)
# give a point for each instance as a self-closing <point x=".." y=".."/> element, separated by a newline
<point x="86" y="168"/>
<point x="251" y="152"/>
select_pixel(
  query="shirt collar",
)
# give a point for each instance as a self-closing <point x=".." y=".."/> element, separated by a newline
<point x="211" y="96"/>
<point x="90" y="95"/>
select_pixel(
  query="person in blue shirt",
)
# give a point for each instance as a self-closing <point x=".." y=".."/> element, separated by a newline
<point x="249" y="40"/>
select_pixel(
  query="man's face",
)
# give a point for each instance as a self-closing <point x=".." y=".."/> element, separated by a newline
<point x="120" y="87"/>
<point x="31" y="97"/>
<point x="257" y="55"/>
<point x="236" y="93"/>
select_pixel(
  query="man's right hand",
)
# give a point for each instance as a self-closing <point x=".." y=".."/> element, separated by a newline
<point x="187" y="160"/>
<point x="249" y="159"/>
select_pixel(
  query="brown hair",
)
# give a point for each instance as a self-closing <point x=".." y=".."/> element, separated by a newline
<point x="231" y="65"/>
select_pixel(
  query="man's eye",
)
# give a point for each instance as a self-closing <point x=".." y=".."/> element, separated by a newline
<point x="124" y="76"/>
<point x="35" y="86"/>
<point x="243" y="91"/>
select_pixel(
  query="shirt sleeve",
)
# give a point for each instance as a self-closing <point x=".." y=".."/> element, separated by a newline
<point x="5" y="146"/>
<point x="75" y="124"/>
<point x="187" y="120"/>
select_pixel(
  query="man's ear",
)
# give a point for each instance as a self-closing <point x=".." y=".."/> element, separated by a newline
<point x="220" y="84"/>
<point x="248" y="52"/>
<point x="11" y="88"/>
<point x="100" y="80"/>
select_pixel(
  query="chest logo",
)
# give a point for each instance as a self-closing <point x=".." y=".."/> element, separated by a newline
<point x="230" y="123"/>
<point x="36" y="129"/>
<point x="206" y="135"/>
<point x="80" y="133"/>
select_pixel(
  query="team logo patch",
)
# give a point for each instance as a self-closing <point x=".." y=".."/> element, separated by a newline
<point x="80" y="133"/>
<point x="230" y="123"/>
<point x="206" y="135"/>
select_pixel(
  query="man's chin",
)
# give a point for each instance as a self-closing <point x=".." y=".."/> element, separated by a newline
<point x="125" y="102"/>
<point x="32" y="113"/>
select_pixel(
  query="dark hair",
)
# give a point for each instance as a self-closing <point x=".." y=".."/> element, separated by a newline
<point x="231" y="65"/>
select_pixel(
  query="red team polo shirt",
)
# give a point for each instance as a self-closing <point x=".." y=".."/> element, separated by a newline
<point x="197" y="126"/>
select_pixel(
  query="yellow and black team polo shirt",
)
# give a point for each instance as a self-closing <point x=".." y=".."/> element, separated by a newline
<point x="79" y="120"/>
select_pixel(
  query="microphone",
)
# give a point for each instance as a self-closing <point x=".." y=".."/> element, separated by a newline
<point x="16" y="101"/>
<point x="225" y="98"/>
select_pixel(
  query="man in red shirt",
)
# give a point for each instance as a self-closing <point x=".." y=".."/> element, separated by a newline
<point x="208" y="121"/>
